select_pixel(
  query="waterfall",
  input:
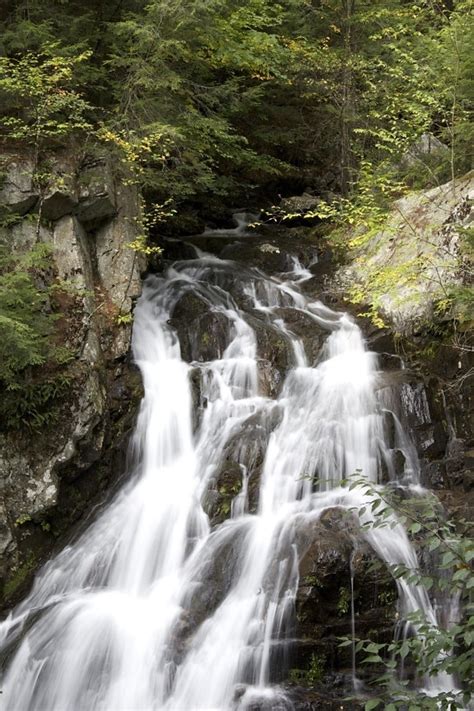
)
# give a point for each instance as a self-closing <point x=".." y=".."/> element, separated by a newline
<point x="116" y="621"/>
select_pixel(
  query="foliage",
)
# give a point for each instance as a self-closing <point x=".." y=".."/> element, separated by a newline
<point x="343" y="601"/>
<point x="432" y="649"/>
<point x="25" y="327"/>
<point x="26" y="340"/>
<point x="229" y="99"/>
<point x="39" y="98"/>
<point x="312" y="675"/>
<point x="458" y="300"/>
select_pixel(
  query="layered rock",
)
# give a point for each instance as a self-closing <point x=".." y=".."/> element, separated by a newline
<point x="50" y="478"/>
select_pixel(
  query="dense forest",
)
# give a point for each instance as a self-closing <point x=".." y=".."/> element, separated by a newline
<point x="238" y="102"/>
<point x="313" y="116"/>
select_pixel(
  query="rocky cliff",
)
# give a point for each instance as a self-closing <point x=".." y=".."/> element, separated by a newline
<point x="51" y="476"/>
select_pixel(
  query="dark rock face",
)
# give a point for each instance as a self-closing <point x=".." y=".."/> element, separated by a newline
<point x="435" y="383"/>
<point x="302" y="325"/>
<point x="51" y="479"/>
<point x="334" y="551"/>
<point x="443" y="432"/>
<point x="203" y="334"/>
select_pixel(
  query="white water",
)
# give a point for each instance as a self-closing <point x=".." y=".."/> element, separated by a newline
<point x="242" y="220"/>
<point x="116" y="622"/>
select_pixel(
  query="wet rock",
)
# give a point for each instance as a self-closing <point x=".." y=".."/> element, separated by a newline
<point x="272" y="347"/>
<point x="242" y="457"/>
<point x="267" y="254"/>
<point x="398" y="463"/>
<point x="196" y="396"/>
<point x="203" y="334"/>
<point x="214" y="575"/>
<point x="332" y="547"/>
<point x="433" y="474"/>
<point x="270" y="379"/>
<point x="176" y="249"/>
<point x="224" y="487"/>
<point x="329" y="698"/>
<point x="303" y="326"/>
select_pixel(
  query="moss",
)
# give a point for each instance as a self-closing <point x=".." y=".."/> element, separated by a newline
<point x="312" y="580"/>
<point x="226" y="494"/>
<point x="20" y="576"/>
<point x="312" y="675"/>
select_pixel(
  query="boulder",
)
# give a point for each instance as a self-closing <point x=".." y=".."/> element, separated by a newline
<point x="407" y="266"/>
<point x="203" y="334"/>
<point x="425" y="145"/>
<point x="59" y="198"/>
<point x="331" y="548"/>
<point x="300" y="204"/>
<point x="96" y="192"/>
<point x="18" y="193"/>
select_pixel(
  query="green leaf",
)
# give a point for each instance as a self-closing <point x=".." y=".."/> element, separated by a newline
<point x="372" y="704"/>
<point x="372" y="659"/>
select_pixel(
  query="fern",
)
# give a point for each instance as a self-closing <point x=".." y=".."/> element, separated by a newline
<point x="27" y="342"/>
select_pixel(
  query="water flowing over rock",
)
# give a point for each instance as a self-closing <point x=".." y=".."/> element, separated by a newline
<point x="198" y="586"/>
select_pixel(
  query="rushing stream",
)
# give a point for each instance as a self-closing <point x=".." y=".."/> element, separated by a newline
<point x="115" y="621"/>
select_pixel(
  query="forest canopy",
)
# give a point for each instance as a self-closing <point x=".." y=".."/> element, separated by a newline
<point x="209" y="100"/>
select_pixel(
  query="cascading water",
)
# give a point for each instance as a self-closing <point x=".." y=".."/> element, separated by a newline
<point x="115" y="622"/>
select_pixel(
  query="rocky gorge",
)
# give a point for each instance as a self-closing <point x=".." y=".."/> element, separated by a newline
<point x="50" y="488"/>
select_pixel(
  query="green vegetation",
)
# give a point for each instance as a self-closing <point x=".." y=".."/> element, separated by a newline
<point x="427" y="649"/>
<point x="37" y="91"/>
<point x="209" y="104"/>
<point x="343" y="602"/>
<point x="26" y="341"/>
<point x="312" y="675"/>
<point x="205" y="100"/>
<point x="19" y="576"/>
